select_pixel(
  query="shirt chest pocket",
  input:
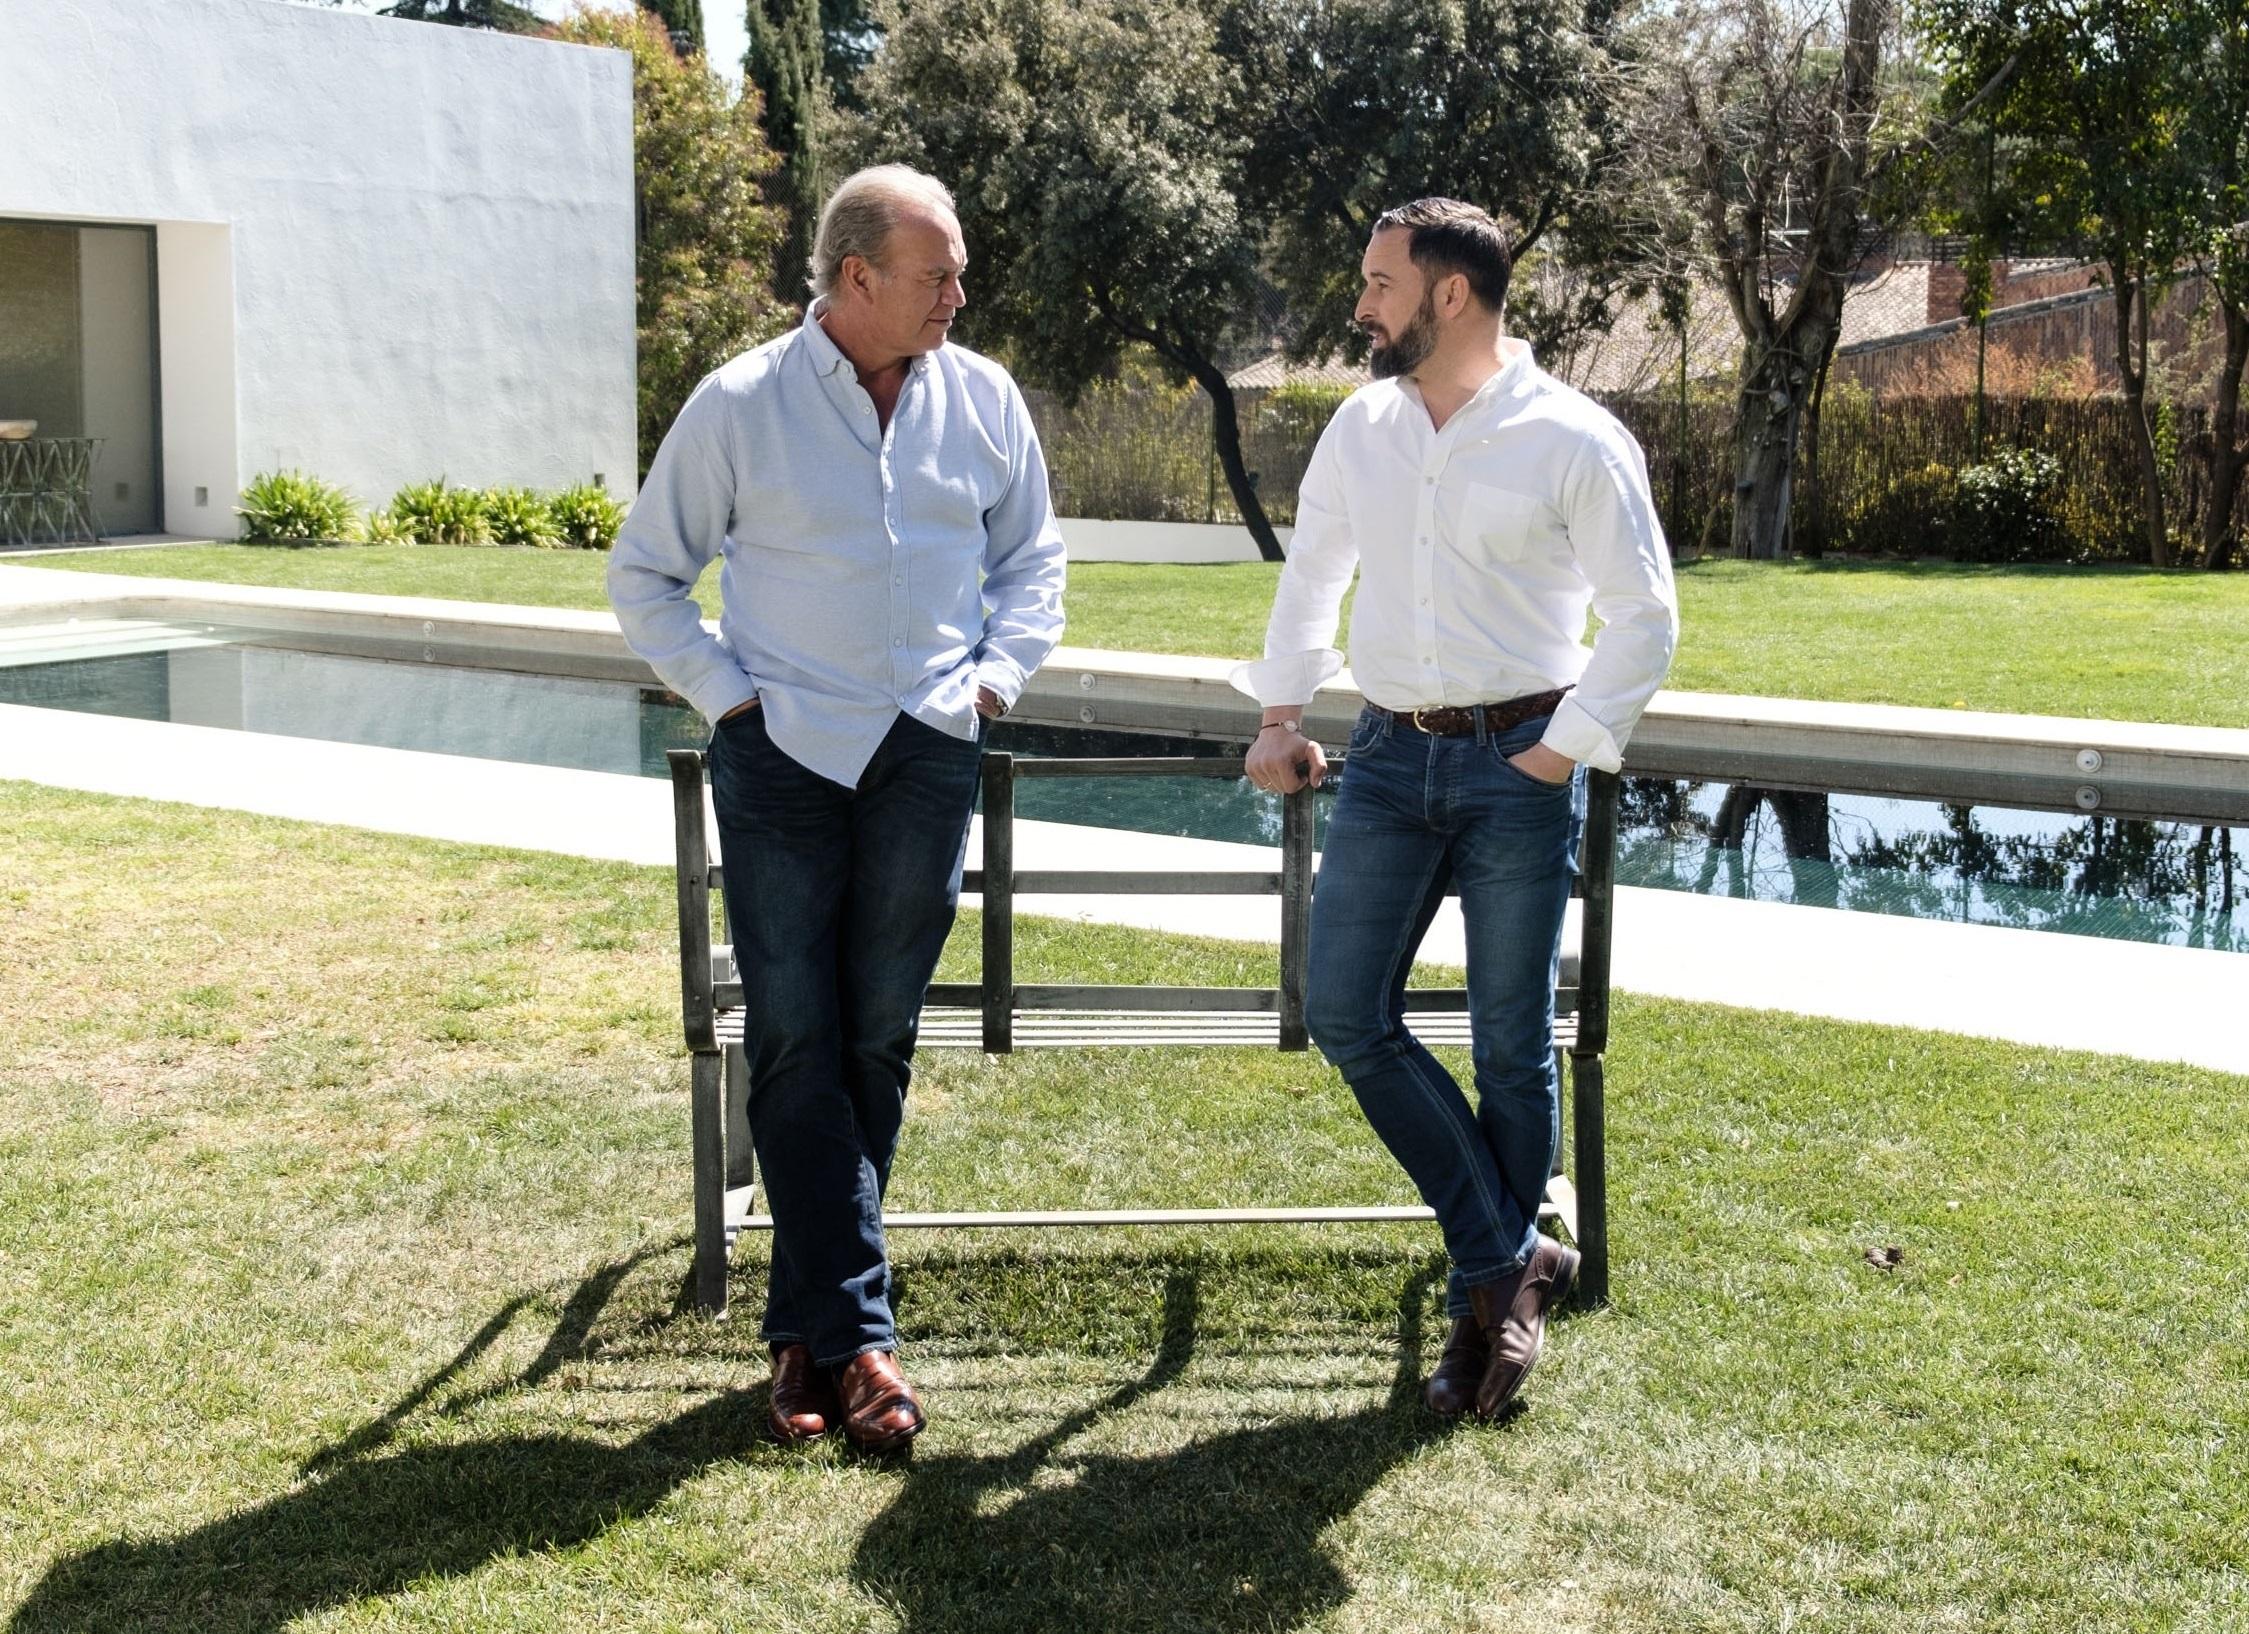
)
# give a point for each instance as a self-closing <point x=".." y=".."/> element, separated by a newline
<point x="1498" y="524"/>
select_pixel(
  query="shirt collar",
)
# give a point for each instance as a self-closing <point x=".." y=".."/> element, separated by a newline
<point x="1516" y="372"/>
<point x="827" y="356"/>
<point x="1513" y="374"/>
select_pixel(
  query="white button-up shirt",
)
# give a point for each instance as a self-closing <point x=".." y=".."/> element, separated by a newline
<point x="867" y="569"/>
<point x="1482" y="546"/>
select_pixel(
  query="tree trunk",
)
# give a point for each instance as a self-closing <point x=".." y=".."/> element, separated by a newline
<point x="1678" y="527"/>
<point x="1225" y="418"/>
<point x="1784" y="353"/>
<point x="1768" y="422"/>
<point x="2227" y="451"/>
<point x="2132" y="296"/>
<point x="1764" y="461"/>
<point x="1226" y="432"/>
<point x="1814" y="508"/>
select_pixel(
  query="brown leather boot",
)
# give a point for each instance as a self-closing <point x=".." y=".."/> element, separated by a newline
<point x="804" y="1404"/>
<point x="881" y="1413"/>
<point x="1459" y="1372"/>
<point x="1513" y="1317"/>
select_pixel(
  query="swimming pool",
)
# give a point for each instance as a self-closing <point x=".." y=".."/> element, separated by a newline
<point x="2081" y="874"/>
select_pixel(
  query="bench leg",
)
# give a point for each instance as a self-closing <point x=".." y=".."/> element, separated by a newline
<point x="1588" y="1113"/>
<point x="741" y="1157"/>
<point x="707" y="1091"/>
<point x="1562" y="1076"/>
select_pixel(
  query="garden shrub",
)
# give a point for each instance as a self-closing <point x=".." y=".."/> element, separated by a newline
<point x="383" y="529"/>
<point x="434" y="513"/>
<point x="2009" y="509"/>
<point x="1302" y="408"/>
<point x="585" y="517"/>
<point x="517" y="516"/>
<point x="289" y="507"/>
<point x="1912" y="516"/>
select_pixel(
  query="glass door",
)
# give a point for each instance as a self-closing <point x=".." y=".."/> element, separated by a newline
<point x="78" y="354"/>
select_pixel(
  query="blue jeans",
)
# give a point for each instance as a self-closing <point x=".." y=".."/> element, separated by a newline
<point x="839" y="901"/>
<point x="1415" y="813"/>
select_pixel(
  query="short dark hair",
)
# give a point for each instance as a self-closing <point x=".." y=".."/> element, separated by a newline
<point x="1448" y="237"/>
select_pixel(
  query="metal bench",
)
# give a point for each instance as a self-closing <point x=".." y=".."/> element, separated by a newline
<point x="998" y="1014"/>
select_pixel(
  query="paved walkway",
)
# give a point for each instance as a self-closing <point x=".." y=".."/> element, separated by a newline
<point x="2158" y="1003"/>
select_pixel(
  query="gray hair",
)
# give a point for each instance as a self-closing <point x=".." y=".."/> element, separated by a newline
<point x="861" y="212"/>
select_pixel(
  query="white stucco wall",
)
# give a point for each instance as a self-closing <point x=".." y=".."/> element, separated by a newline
<point x="386" y="250"/>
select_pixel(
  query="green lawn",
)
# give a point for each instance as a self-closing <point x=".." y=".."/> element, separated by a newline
<point x="342" y="1263"/>
<point x="2116" y="643"/>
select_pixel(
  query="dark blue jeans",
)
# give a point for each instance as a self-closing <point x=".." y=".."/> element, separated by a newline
<point x="839" y="901"/>
<point x="1414" y="813"/>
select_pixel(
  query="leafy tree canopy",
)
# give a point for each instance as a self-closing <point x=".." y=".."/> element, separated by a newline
<point x="1359" y="105"/>
<point x="707" y="235"/>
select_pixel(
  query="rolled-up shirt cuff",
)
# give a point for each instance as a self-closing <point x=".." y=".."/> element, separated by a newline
<point x="1003" y="675"/>
<point x="1290" y="678"/>
<point x="1574" y="732"/>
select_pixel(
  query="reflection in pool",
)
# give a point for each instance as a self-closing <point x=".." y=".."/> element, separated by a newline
<point x="2178" y="883"/>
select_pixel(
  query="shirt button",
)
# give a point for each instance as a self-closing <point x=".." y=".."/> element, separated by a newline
<point x="1424" y="601"/>
<point x="1429" y="482"/>
<point x="900" y="579"/>
<point x="897" y="641"/>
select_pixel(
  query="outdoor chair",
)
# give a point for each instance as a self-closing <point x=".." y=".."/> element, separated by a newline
<point x="47" y="490"/>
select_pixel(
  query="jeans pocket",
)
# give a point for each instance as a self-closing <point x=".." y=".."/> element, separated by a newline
<point x="1366" y="731"/>
<point x="1503" y="756"/>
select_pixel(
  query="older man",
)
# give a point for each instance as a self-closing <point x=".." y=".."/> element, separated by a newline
<point x="1484" y="505"/>
<point x="892" y="576"/>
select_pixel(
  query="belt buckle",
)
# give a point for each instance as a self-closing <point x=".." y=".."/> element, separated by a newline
<point x="1415" y="717"/>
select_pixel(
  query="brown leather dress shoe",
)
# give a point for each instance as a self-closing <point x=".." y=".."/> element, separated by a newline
<point x="1459" y="1372"/>
<point x="1513" y="1317"/>
<point x="804" y="1397"/>
<point x="881" y="1413"/>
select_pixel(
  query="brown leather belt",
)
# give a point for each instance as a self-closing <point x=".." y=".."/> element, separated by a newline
<point x="1460" y="721"/>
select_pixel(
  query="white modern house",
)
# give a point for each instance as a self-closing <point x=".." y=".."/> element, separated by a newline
<point x="243" y="235"/>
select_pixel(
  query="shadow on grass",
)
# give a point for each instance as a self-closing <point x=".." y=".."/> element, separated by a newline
<point x="1223" y="1533"/>
<point x="370" y="1522"/>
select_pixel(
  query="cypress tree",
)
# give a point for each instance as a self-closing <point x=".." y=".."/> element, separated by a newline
<point x="786" y="61"/>
<point x="683" y="19"/>
<point x="499" y="15"/>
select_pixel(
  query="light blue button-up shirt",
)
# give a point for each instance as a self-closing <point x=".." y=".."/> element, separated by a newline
<point x="867" y="570"/>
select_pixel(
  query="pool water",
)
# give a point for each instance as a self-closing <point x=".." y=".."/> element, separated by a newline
<point x="2178" y="883"/>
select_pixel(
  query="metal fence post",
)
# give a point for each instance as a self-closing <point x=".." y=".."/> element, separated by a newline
<point x="999" y="902"/>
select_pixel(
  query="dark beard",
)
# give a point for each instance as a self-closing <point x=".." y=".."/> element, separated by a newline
<point x="1412" y="347"/>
